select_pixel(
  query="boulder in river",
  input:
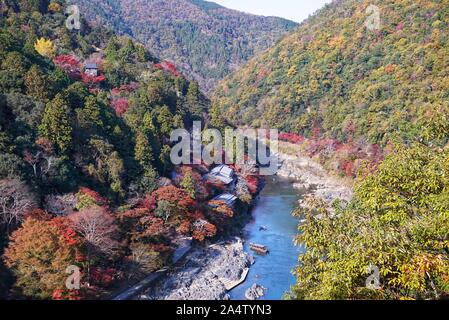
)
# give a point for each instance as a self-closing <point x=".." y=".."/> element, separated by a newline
<point x="255" y="292"/>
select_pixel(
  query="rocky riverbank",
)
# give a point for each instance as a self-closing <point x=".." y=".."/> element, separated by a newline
<point x="207" y="273"/>
<point x="312" y="177"/>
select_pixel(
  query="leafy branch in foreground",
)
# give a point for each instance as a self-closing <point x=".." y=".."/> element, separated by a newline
<point x="397" y="221"/>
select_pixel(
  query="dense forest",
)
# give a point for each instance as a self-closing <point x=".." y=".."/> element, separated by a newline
<point x="85" y="121"/>
<point x="206" y="40"/>
<point x="86" y="180"/>
<point x="350" y="82"/>
<point x="346" y="92"/>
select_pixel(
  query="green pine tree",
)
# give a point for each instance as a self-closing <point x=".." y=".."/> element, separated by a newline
<point x="89" y="117"/>
<point x="193" y="99"/>
<point x="143" y="151"/>
<point x="216" y="117"/>
<point x="36" y="84"/>
<point x="188" y="184"/>
<point x="56" y="124"/>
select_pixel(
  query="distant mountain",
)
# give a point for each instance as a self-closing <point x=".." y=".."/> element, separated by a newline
<point x="204" y="39"/>
<point x="350" y="81"/>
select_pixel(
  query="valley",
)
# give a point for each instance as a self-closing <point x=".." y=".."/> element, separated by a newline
<point x="102" y="198"/>
<point x="205" y="40"/>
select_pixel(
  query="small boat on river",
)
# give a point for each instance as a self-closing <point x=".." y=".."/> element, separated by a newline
<point x="258" y="248"/>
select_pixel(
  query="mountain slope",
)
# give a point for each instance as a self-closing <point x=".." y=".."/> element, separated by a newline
<point x="85" y="120"/>
<point x="335" y="74"/>
<point x="46" y="94"/>
<point x="204" y="39"/>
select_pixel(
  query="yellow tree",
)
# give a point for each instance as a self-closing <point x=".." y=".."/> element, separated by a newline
<point x="54" y="7"/>
<point x="45" y="47"/>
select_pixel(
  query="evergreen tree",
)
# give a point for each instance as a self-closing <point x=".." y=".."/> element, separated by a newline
<point x="149" y="181"/>
<point x="89" y="117"/>
<point x="165" y="120"/>
<point x="143" y="152"/>
<point x="193" y="99"/>
<point x="126" y="54"/>
<point x="216" y="117"/>
<point x="36" y="84"/>
<point x="56" y="125"/>
<point x="188" y="184"/>
<point x="12" y="69"/>
<point x="34" y="5"/>
<point x="165" y="161"/>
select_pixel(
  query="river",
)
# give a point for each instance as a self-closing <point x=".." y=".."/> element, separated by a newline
<point x="206" y="271"/>
<point x="273" y="211"/>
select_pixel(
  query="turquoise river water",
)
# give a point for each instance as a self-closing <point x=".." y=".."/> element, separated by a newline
<point x="273" y="211"/>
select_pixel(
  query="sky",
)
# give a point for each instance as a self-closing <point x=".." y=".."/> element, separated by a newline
<point x="296" y="10"/>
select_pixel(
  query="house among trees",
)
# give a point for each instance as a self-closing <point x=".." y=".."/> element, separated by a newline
<point x="91" y="69"/>
<point x="223" y="173"/>
<point x="227" y="198"/>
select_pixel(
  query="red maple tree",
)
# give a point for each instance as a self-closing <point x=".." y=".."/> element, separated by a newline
<point x="69" y="64"/>
<point x="92" y="81"/>
<point x="169" y="67"/>
<point x="120" y="106"/>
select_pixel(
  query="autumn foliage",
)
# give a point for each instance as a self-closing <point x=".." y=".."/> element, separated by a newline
<point x="169" y="67"/>
<point x="50" y="247"/>
<point x="57" y="135"/>
<point x="291" y="137"/>
<point x="45" y="47"/>
<point x="92" y="81"/>
<point x="169" y="210"/>
<point x="253" y="183"/>
<point x="175" y="196"/>
<point x="203" y="230"/>
<point x="125" y="89"/>
<point x="120" y="106"/>
<point x="88" y="198"/>
<point x="200" y="187"/>
<point x="348" y="159"/>
<point x="69" y="64"/>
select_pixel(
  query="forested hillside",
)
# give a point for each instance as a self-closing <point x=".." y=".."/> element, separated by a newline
<point x="205" y="40"/>
<point x="86" y="181"/>
<point x="85" y="121"/>
<point x="354" y="91"/>
<point x="338" y="77"/>
<point x="59" y="123"/>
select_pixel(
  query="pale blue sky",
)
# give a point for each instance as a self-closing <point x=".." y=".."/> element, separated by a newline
<point x="296" y="10"/>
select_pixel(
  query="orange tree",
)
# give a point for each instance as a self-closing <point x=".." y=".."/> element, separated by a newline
<point x="220" y="213"/>
<point x="39" y="253"/>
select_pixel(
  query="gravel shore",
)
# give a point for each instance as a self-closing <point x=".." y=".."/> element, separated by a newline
<point x="312" y="176"/>
<point x="205" y="274"/>
<point x="208" y="273"/>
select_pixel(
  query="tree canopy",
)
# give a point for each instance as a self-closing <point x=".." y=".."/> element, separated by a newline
<point x="398" y="221"/>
